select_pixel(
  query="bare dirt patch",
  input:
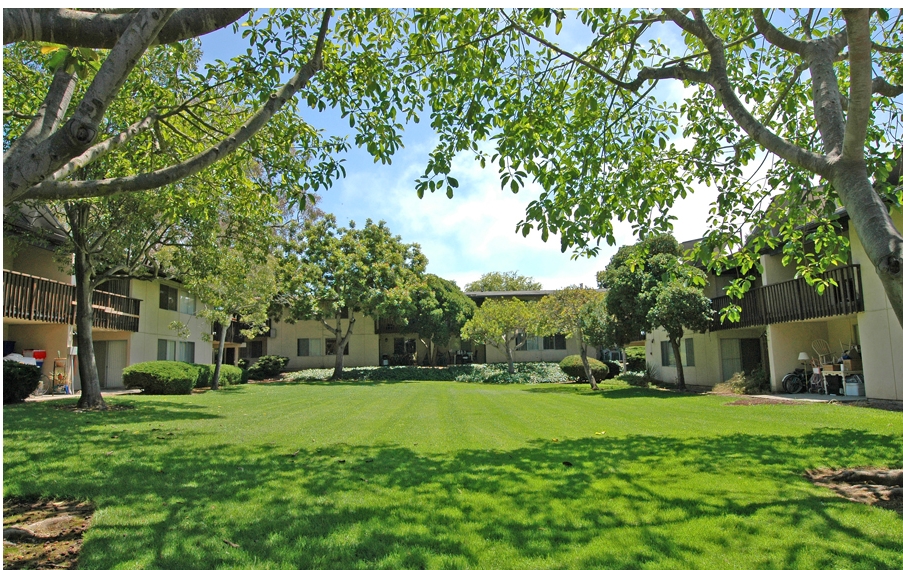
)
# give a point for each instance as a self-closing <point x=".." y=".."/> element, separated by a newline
<point x="878" y="487"/>
<point x="43" y="533"/>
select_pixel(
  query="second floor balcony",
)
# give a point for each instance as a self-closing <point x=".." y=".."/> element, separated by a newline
<point x="795" y="300"/>
<point x="33" y="298"/>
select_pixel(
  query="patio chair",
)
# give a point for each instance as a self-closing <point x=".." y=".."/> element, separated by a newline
<point x="821" y="348"/>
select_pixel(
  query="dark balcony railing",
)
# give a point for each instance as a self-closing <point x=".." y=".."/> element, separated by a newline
<point x="38" y="299"/>
<point x="236" y="331"/>
<point x="796" y="301"/>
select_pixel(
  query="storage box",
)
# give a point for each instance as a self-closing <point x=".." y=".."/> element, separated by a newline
<point x="853" y="387"/>
<point x="852" y="364"/>
<point x="830" y="367"/>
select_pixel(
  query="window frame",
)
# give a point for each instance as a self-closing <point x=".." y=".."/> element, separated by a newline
<point x="169" y="298"/>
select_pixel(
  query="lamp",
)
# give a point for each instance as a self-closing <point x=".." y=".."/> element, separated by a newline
<point x="804" y="356"/>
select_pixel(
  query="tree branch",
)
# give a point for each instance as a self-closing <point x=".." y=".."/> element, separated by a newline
<point x="775" y="36"/>
<point x="48" y="116"/>
<point x="860" y="105"/>
<point x="105" y="147"/>
<point x="79" y="28"/>
<point x="146" y="181"/>
<point x="881" y="86"/>
<point x="79" y="132"/>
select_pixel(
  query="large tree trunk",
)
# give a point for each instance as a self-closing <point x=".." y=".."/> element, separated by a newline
<point x="509" y="354"/>
<point x="675" y="345"/>
<point x="223" y="331"/>
<point x="340" y="343"/>
<point x="84" y="321"/>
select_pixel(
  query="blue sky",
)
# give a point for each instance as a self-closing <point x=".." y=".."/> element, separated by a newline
<point x="472" y="233"/>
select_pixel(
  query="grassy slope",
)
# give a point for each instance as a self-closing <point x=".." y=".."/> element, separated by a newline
<point x="449" y="475"/>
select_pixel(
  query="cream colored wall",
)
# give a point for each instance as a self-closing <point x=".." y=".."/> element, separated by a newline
<point x="154" y="323"/>
<point x="774" y="271"/>
<point x="34" y="261"/>
<point x="880" y="332"/>
<point x="50" y="337"/>
<point x="494" y="355"/>
<point x="706" y="352"/>
<point x="363" y="349"/>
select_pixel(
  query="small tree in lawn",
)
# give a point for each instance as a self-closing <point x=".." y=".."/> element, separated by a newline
<point x="440" y="310"/>
<point x="232" y="284"/>
<point x="648" y="286"/>
<point x="499" y="323"/>
<point x="565" y="312"/>
<point x="328" y="270"/>
<point x="679" y="306"/>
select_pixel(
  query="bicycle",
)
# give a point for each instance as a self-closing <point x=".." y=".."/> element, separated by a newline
<point x="795" y="382"/>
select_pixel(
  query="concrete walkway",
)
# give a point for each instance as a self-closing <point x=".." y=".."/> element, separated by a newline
<point x="813" y="398"/>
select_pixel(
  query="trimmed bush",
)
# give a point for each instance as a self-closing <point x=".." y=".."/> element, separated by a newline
<point x="205" y="375"/>
<point x="228" y="375"/>
<point x="19" y="380"/>
<point x="268" y="366"/>
<point x="636" y="358"/>
<point x="573" y="366"/>
<point x="161" y="377"/>
<point x="614" y="368"/>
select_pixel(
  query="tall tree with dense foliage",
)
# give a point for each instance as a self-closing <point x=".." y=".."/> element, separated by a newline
<point x="568" y="312"/>
<point x="788" y="113"/>
<point x="504" y="324"/>
<point x="330" y="270"/>
<point x="503" y="281"/>
<point x="439" y="311"/>
<point x="660" y="291"/>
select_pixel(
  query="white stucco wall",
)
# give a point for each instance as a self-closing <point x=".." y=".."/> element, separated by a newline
<point x="363" y="348"/>
<point x="879" y="330"/>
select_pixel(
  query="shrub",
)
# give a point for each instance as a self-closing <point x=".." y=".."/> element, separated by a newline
<point x="524" y="373"/>
<point x="267" y="367"/>
<point x="634" y="378"/>
<point x="161" y="377"/>
<point x="228" y="375"/>
<point x="19" y="380"/>
<point x="614" y="368"/>
<point x="573" y="366"/>
<point x="756" y="382"/>
<point x="636" y="358"/>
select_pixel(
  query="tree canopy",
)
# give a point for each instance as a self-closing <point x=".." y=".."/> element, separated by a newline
<point x="328" y="271"/>
<point x="503" y="281"/>
<point x="570" y="311"/>
<point x="439" y="311"/>
<point x="504" y="324"/>
<point x="663" y="291"/>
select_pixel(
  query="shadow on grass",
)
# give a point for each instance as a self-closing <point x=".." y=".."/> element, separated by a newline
<point x="607" y="391"/>
<point x="587" y="502"/>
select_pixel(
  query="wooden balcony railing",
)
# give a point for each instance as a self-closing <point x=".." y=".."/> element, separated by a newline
<point x="796" y="301"/>
<point x="38" y="299"/>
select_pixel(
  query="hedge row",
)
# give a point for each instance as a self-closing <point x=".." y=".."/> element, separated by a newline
<point x="169" y="377"/>
<point x="524" y="373"/>
<point x="19" y="380"/>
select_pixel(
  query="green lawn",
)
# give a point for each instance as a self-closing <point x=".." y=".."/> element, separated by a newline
<point x="451" y="475"/>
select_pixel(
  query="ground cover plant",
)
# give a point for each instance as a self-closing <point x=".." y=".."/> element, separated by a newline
<point x="497" y="373"/>
<point x="458" y="475"/>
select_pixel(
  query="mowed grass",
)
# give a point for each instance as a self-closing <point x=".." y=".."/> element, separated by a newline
<point x="449" y="475"/>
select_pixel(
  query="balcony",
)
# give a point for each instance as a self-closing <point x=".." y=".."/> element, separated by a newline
<point x="34" y="298"/>
<point x="796" y="301"/>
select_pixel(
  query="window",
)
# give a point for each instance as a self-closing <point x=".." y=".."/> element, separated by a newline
<point x="169" y="298"/>
<point x="166" y="349"/>
<point x="531" y="343"/>
<point x="557" y="342"/>
<point x="687" y="354"/>
<point x="330" y="346"/>
<point x="186" y="352"/>
<point x="255" y="349"/>
<point x="310" y="347"/>
<point x="186" y="303"/>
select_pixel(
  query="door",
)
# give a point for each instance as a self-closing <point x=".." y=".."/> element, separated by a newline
<point x="739" y="355"/>
<point x="111" y="357"/>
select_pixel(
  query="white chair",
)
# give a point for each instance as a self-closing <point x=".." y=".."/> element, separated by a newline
<point x="821" y="348"/>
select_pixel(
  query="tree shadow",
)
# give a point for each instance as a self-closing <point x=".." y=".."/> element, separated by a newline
<point x="608" y="502"/>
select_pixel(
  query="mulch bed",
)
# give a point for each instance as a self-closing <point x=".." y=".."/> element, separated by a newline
<point x="43" y="533"/>
<point x="765" y="402"/>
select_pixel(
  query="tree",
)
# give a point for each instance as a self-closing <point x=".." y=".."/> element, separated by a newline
<point x="788" y="113"/>
<point x="569" y="312"/>
<point x="503" y="281"/>
<point x="91" y="56"/>
<point x="503" y="324"/>
<point x="440" y="310"/>
<point x="230" y="284"/>
<point x="330" y="270"/>
<point x="663" y="291"/>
